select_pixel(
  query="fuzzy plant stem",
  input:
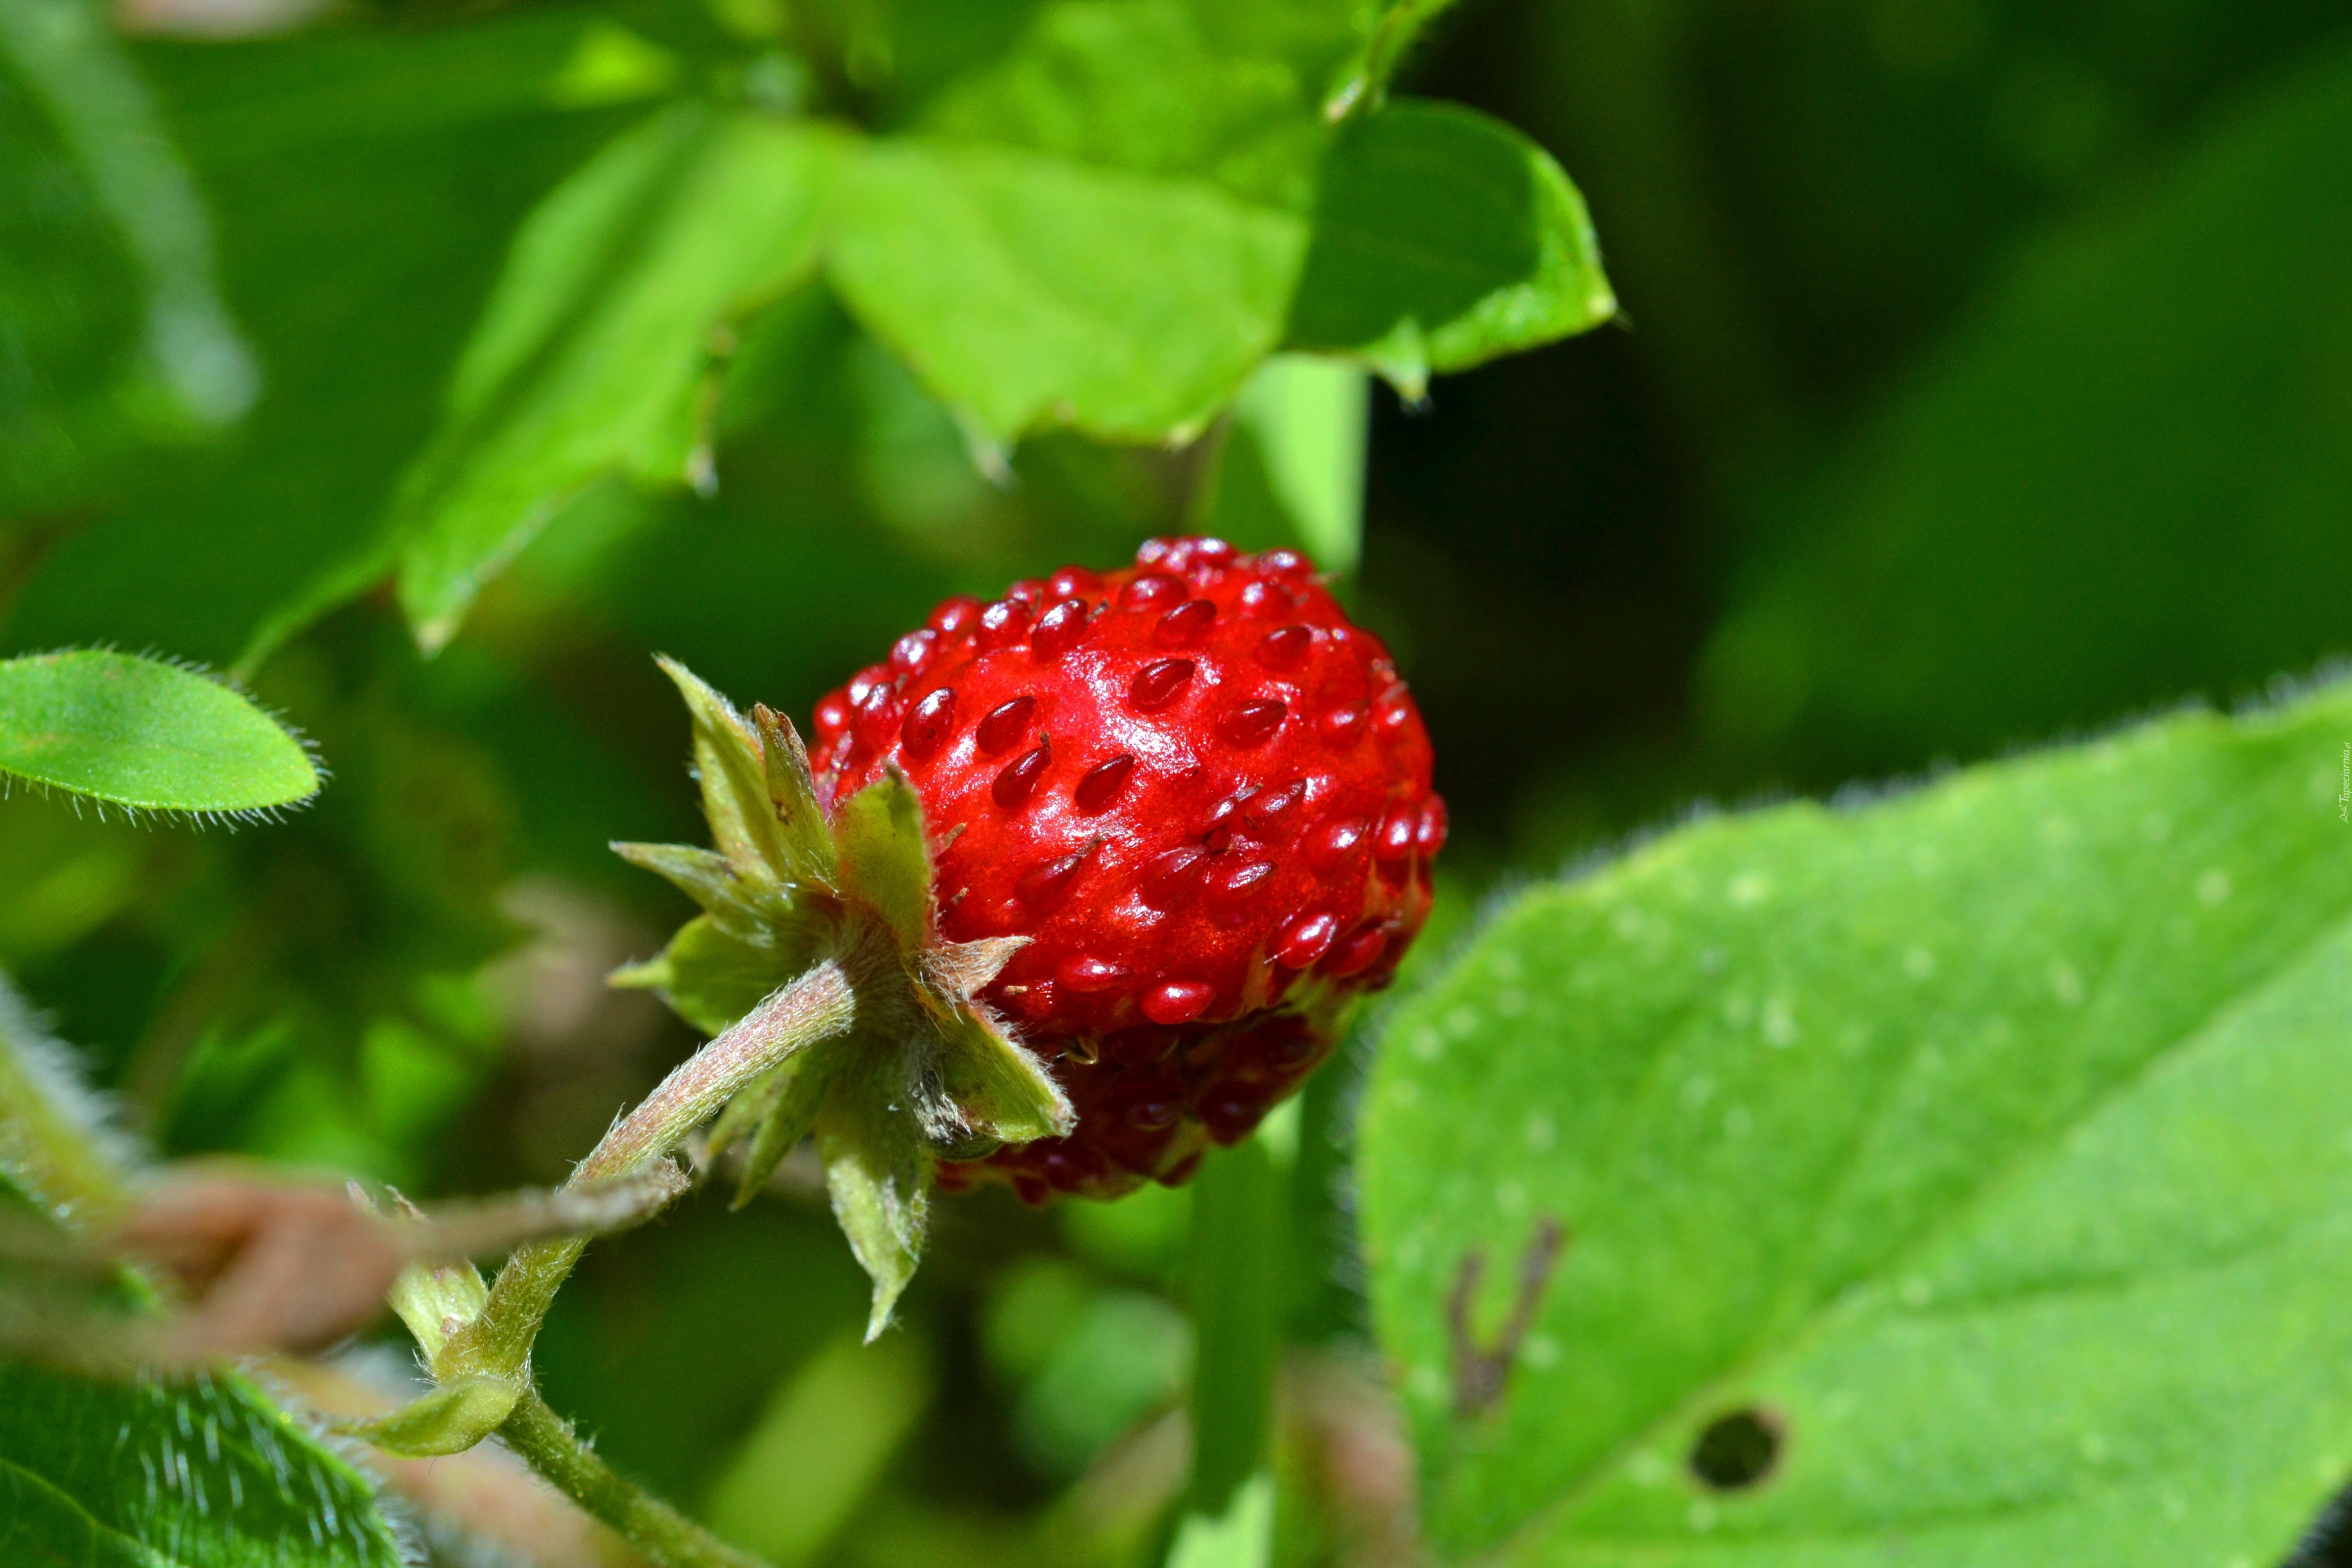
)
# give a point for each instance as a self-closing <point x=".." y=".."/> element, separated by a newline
<point x="549" y="1444"/>
<point x="816" y="1006"/>
<point x="60" y="1158"/>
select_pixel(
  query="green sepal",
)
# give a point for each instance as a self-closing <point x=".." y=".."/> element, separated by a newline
<point x="885" y="863"/>
<point x="734" y="781"/>
<point x="743" y="910"/>
<point x="791" y="795"/>
<point x="711" y="977"/>
<point x="450" y="1420"/>
<point x="974" y="1087"/>
<point x="747" y="1110"/>
<point x="926" y="1071"/>
<point x="779" y="1113"/>
<point x="879" y="1171"/>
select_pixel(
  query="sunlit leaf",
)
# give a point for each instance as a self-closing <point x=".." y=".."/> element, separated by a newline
<point x="1957" y="1179"/>
<point x="200" y="1473"/>
<point x="587" y="359"/>
<point x="1031" y="289"/>
<point x="146" y="735"/>
<point x="1443" y="239"/>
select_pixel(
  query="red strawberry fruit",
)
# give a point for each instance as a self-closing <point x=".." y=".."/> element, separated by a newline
<point x="1200" y="792"/>
<point x="1102" y="860"/>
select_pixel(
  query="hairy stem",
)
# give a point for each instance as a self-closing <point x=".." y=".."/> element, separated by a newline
<point x="816" y="1006"/>
<point x="59" y="1157"/>
<point x="549" y="1444"/>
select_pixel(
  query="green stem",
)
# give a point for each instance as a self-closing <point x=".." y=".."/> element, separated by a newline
<point x="1237" y="1293"/>
<point x="549" y="1444"/>
<point x="816" y="1006"/>
<point x="44" y="1149"/>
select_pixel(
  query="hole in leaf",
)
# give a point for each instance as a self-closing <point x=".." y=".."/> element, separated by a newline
<point x="2328" y="1543"/>
<point x="1735" y="1451"/>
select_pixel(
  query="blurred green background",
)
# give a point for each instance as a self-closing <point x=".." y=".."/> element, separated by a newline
<point x="1986" y="375"/>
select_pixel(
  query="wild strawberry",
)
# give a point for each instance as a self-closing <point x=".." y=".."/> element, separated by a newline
<point x="1098" y="863"/>
<point x="1199" y="792"/>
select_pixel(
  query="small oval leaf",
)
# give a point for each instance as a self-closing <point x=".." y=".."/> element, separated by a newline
<point x="147" y="735"/>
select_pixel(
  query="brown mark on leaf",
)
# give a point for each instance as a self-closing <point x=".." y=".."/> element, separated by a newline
<point x="1480" y="1373"/>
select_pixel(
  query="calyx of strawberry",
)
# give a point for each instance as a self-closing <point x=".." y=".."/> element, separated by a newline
<point x="924" y="1070"/>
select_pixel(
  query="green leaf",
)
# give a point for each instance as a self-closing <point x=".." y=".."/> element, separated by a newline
<point x="2121" y="479"/>
<point x="1031" y="290"/>
<point x="1149" y="87"/>
<point x="53" y="1528"/>
<point x="364" y="179"/>
<point x="108" y="294"/>
<point x="1291" y="468"/>
<point x="198" y="1473"/>
<point x="590" y="354"/>
<point x="876" y="1170"/>
<point x="1102" y="229"/>
<point x="148" y="736"/>
<point x="1972" y="1161"/>
<point x="1444" y="238"/>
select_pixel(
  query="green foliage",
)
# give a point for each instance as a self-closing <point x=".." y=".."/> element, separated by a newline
<point x="100" y="1465"/>
<point x="1963" y="1154"/>
<point x="1444" y="239"/>
<point x="1109" y="227"/>
<point x="364" y="183"/>
<point x="1015" y="320"/>
<point x="145" y="735"/>
<point x="819" y="1446"/>
<point x="1291" y="466"/>
<point x="202" y="1473"/>
<point x="2101" y="490"/>
<point x="591" y="357"/>
<point x="1085" y="1362"/>
<point x="108" y="274"/>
